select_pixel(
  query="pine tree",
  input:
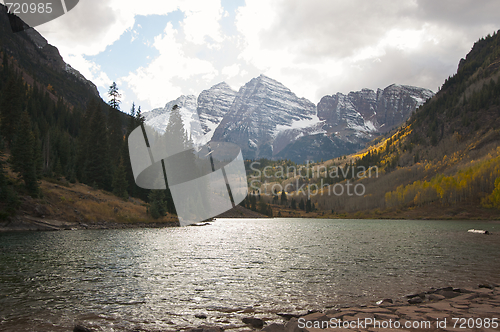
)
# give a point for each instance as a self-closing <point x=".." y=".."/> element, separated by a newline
<point x="11" y="106"/>
<point x="115" y="96"/>
<point x="283" y="197"/>
<point x="139" y="118"/>
<point x="120" y="181"/>
<point x="308" y="205"/>
<point x="263" y="207"/>
<point x="157" y="205"/>
<point x="64" y="152"/>
<point x="8" y="198"/>
<point x="82" y="145"/>
<point x="301" y="204"/>
<point x="3" y="179"/>
<point x="97" y="168"/>
<point x="58" y="170"/>
<point x="253" y="203"/>
<point x="37" y="151"/>
<point x="135" y="120"/>
<point x="132" y="124"/>
<point x="175" y="133"/>
<point x="23" y="154"/>
<point x="5" y="64"/>
<point x="178" y="141"/>
<point x="269" y="211"/>
<point x="115" y="133"/>
<point x="5" y="70"/>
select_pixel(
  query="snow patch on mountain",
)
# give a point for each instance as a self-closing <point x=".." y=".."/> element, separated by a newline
<point x="312" y="121"/>
<point x="265" y="118"/>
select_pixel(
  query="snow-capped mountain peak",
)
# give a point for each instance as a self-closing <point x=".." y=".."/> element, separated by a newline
<point x="267" y="120"/>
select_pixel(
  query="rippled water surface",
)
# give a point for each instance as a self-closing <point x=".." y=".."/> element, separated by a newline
<point x="155" y="279"/>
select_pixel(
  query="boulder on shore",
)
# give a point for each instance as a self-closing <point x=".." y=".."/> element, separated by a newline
<point x="254" y="322"/>
<point x="80" y="328"/>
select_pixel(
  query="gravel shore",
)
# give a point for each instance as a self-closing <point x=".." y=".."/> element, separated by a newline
<point x="443" y="309"/>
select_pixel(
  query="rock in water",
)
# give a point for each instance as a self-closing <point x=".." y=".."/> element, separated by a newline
<point x="274" y="327"/>
<point x="204" y="328"/>
<point x="79" y="328"/>
<point x="293" y="326"/>
<point x="254" y="322"/>
<point x="385" y="301"/>
<point x="478" y="231"/>
<point x="415" y="300"/>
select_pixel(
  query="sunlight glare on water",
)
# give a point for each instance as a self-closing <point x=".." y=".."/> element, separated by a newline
<point x="160" y="278"/>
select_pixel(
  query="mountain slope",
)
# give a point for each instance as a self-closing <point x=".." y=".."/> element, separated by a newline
<point x="42" y="62"/>
<point x="446" y="156"/>
<point x="267" y="120"/>
<point x="347" y="122"/>
<point x="213" y="105"/>
<point x="361" y="114"/>
<point x="262" y="108"/>
<point x="210" y="108"/>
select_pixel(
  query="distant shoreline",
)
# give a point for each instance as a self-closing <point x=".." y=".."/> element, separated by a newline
<point x="36" y="224"/>
<point x="66" y="206"/>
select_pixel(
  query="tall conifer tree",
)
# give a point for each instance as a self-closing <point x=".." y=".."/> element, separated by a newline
<point x="23" y="154"/>
<point x="11" y="107"/>
<point x="115" y="133"/>
<point x="97" y="168"/>
<point x="83" y="144"/>
<point x="120" y="181"/>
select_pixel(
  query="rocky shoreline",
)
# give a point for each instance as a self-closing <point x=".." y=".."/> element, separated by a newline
<point x="32" y="223"/>
<point x="34" y="216"/>
<point x="437" y="309"/>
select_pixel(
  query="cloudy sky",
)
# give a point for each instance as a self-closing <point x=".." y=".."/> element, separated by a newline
<point x="157" y="50"/>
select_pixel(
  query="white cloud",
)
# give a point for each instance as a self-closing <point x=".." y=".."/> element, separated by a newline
<point x="90" y="70"/>
<point x="314" y="47"/>
<point x="159" y="82"/>
<point x="231" y="71"/>
<point x="94" y="25"/>
<point x="321" y="47"/>
<point x="202" y="20"/>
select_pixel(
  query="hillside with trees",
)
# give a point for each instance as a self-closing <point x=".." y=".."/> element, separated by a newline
<point x="43" y="140"/>
<point x="55" y="128"/>
<point x="444" y="162"/>
<point x="448" y="153"/>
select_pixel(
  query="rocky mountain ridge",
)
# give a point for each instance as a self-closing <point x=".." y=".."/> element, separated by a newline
<point x="267" y="120"/>
<point x="361" y="114"/>
<point x="35" y="55"/>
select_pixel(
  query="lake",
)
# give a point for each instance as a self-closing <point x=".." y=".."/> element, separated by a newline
<point x="155" y="279"/>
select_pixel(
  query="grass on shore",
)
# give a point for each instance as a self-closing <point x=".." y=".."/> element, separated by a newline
<point x="83" y="204"/>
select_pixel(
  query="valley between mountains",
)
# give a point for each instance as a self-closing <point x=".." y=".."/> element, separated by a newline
<point x="432" y="155"/>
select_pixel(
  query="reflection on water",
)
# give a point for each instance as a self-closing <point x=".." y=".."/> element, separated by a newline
<point x="160" y="278"/>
